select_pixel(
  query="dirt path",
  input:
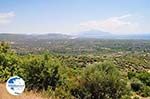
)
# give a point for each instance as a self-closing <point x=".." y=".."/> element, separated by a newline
<point x="26" y="95"/>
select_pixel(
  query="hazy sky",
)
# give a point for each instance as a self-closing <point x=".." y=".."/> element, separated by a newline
<point x="67" y="16"/>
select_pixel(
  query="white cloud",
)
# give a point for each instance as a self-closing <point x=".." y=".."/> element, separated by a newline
<point x="121" y="24"/>
<point x="6" y="18"/>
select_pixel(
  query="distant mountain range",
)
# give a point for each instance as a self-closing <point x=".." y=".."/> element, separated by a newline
<point x="85" y="34"/>
<point x="106" y="35"/>
<point x="24" y="37"/>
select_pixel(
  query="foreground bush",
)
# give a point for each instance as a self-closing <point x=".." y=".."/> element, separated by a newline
<point x="140" y="83"/>
<point x="136" y="84"/>
<point x="40" y="72"/>
<point x="9" y="62"/>
<point x="144" y="77"/>
<point x="145" y="92"/>
<point x="102" y="81"/>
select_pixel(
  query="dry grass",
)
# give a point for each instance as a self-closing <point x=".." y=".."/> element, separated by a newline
<point x="26" y="95"/>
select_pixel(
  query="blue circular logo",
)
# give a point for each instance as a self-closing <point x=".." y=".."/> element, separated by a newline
<point x="15" y="85"/>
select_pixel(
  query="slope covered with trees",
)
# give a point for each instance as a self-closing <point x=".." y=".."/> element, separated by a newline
<point x="79" y="76"/>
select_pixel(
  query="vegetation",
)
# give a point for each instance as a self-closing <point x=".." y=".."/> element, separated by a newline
<point x="70" y="76"/>
<point x="102" y="81"/>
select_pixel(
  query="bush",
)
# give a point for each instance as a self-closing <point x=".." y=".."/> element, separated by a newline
<point x="144" y="77"/>
<point x="136" y="84"/>
<point x="9" y="62"/>
<point x="131" y="75"/>
<point x="140" y="87"/>
<point x="145" y="92"/>
<point x="103" y="81"/>
<point x="40" y="72"/>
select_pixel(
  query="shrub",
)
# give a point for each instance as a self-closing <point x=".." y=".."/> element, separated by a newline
<point x="131" y="75"/>
<point x="136" y="84"/>
<point x="144" y="77"/>
<point x="40" y="72"/>
<point x="9" y="62"/>
<point x="145" y="92"/>
<point x="103" y="81"/>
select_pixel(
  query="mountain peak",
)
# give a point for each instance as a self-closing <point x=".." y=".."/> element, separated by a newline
<point x="94" y="32"/>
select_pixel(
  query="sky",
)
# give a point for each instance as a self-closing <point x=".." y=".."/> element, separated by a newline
<point x="73" y="16"/>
